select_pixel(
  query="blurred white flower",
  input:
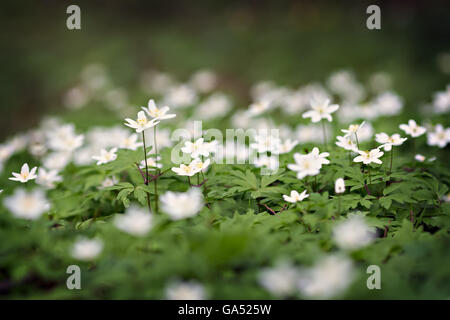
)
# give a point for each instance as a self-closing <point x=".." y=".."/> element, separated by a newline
<point x="142" y="123"/>
<point x="295" y="196"/>
<point x="64" y="138"/>
<point x="136" y="221"/>
<point x="109" y="182"/>
<point x="106" y="156"/>
<point x="419" y="157"/>
<point x="199" y="165"/>
<point x="279" y="280"/>
<point x="203" y="81"/>
<point x="368" y="157"/>
<point x="285" y="147"/>
<point x="57" y="160"/>
<point x="439" y="137"/>
<point x="130" y="142"/>
<point x="413" y="129"/>
<point x="321" y="109"/>
<point x="25" y="174"/>
<point x="180" y="96"/>
<point x="339" y="185"/>
<point x="152" y="163"/>
<point x="320" y="157"/>
<point x="180" y="205"/>
<point x="76" y="98"/>
<point x="329" y="277"/>
<point x="265" y="143"/>
<point x="353" y="233"/>
<point x="264" y="161"/>
<point x="47" y="179"/>
<point x="352" y="129"/>
<point x="27" y="205"/>
<point x="388" y="103"/>
<point x="389" y="141"/>
<point x="162" y="138"/>
<point x="258" y="108"/>
<point x="87" y="249"/>
<point x="441" y="102"/>
<point x="215" y="106"/>
<point x="185" y="291"/>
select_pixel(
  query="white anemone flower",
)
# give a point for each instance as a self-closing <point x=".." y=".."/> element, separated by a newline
<point x="87" y="249"/>
<point x="196" y="149"/>
<point x="181" y="205"/>
<point x="106" y="156"/>
<point x="130" y="142"/>
<point x="368" y="157"/>
<point x="305" y="165"/>
<point x="389" y="141"/>
<point x="439" y="137"/>
<point x="329" y="277"/>
<point x="352" y="129"/>
<point x="161" y="114"/>
<point x="295" y="196"/>
<point x="419" y="157"/>
<point x="258" y="108"/>
<point x="321" y="157"/>
<point x="265" y="143"/>
<point x="25" y="174"/>
<point x="339" y="186"/>
<point x="353" y="233"/>
<point x="136" y="221"/>
<point x="185" y="170"/>
<point x="413" y="129"/>
<point x="141" y="123"/>
<point x="279" y="280"/>
<point x="109" y="182"/>
<point x="152" y="163"/>
<point x="27" y="205"/>
<point x="285" y="147"/>
<point x="48" y="178"/>
<point x="321" y="109"/>
<point x="199" y="165"/>
<point x="347" y="143"/>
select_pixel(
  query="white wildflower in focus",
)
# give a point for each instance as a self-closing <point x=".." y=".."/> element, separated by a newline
<point x="439" y="137"/>
<point x="196" y="149"/>
<point x="389" y="141"/>
<point x="328" y="278"/>
<point x="265" y="143"/>
<point x="136" y="221"/>
<point x="264" y="161"/>
<point x="305" y="165"/>
<point x="295" y="196"/>
<point x="185" y="170"/>
<point x="280" y="280"/>
<point x="419" y="157"/>
<point x="388" y="103"/>
<point x="321" y="109"/>
<point x="57" y="160"/>
<point x="320" y="157"/>
<point x="180" y="96"/>
<point x="368" y="157"/>
<point x="215" y="106"/>
<point x="64" y="138"/>
<point x="413" y="129"/>
<point x="199" y="165"/>
<point x="154" y="112"/>
<point x="258" y="108"/>
<point x="353" y="129"/>
<point x="441" y="102"/>
<point x="181" y="205"/>
<point x="152" y="163"/>
<point x="203" y="81"/>
<point x="130" y="142"/>
<point x="109" y="182"/>
<point x="339" y="185"/>
<point x="185" y="291"/>
<point x="87" y="249"/>
<point x="27" y="205"/>
<point x="47" y="179"/>
<point x="353" y="233"/>
<point x="285" y="147"/>
<point x="106" y="156"/>
<point x="347" y="143"/>
<point x="25" y="174"/>
<point x="142" y="123"/>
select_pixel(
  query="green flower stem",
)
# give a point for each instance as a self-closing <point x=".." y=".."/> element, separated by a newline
<point x="392" y="157"/>
<point x="324" y="135"/>
<point x="339" y="204"/>
<point x="146" y="172"/>
<point x="189" y="180"/>
<point x="157" y="169"/>
<point x="357" y="141"/>
<point x="370" y="178"/>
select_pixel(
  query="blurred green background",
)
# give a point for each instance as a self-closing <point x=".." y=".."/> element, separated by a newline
<point x="290" y="42"/>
